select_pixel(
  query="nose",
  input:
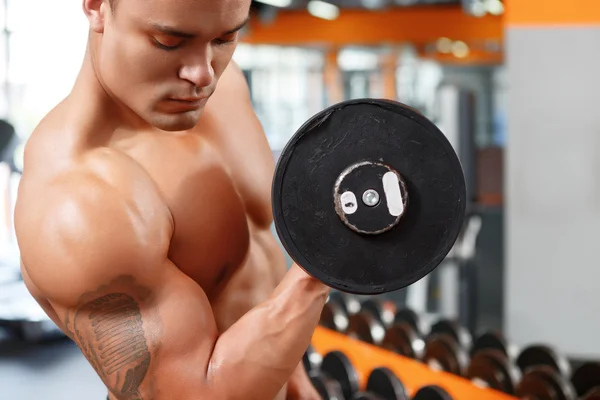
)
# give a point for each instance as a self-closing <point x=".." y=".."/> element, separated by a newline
<point x="198" y="69"/>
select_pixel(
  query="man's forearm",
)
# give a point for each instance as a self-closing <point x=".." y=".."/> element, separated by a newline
<point x="253" y="283"/>
<point x="269" y="354"/>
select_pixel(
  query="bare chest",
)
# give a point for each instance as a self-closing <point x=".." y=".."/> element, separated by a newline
<point x="211" y="235"/>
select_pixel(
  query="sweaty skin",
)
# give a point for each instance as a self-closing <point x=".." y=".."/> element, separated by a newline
<point x="152" y="248"/>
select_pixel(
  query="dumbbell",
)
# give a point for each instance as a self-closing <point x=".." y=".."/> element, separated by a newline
<point x="432" y="392"/>
<point x="366" y="327"/>
<point x="546" y="374"/>
<point x="593" y="394"/>
<point x="491" y="368"/>
<point x="493" y="340"/>
<point x="410" y="317"/>
<point x="383" y="310"/>
<point x="383" y="384"/>
<point x="492" y="363"/>
<point x="543" y="382"/>
<point x="459" y="333"/>
<point x="311" y="360"/>
<point x="586" y="380"/>
<point x="446" y="347"/>
<point x="337" y="366"/>
<point x="335" y="313"/>
<point x="327" y="387"/>
<point x="368" y="196"/>
<point x="402" y="338"/>
<point x="370" y="323"/>
<point x="539" y="354"/>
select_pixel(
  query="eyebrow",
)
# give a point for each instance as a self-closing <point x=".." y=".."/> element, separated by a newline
<point x="167" y="30"/>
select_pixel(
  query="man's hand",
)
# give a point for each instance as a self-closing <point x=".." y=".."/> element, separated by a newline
<point x="300" y="387"/>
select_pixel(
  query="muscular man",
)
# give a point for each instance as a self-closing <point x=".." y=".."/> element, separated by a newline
<point x="144" y="212"/>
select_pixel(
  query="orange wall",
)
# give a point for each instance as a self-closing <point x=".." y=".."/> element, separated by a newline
<point x="553" y="12"/>
<point x="355" y="27"/>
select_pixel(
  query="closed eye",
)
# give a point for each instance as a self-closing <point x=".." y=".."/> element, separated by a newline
<point x="167" y="44"/>
<point x="226" y="39"/>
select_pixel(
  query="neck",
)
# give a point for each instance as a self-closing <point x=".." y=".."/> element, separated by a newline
<point x="89" y="91"/>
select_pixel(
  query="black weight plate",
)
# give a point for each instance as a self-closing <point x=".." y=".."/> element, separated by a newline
<point x="493" y="340"/>
<point x="454" y="330"/>
<point x="328" y="388"/>
<point x="593" y="394"/>
<point x="432" y="392"/>
<point x="383" y="310"/>
<point x="383" y="382"/>
<point x="367" y="396"/>
<point x="586" y="377"/>
<point x="337" y="365"/>
<point x="350" y="303"/>
<point x="401" y="338"/>
<point x="383" y="138"/>
<point x="412" y="318"/>
<point x="311" y="360"/>
<point x="494" y="369"/>
<point x="334" y="317"/>
<point x="365" y="327"/>
<point x="443" y="353"/>
<point x="545" y="383"/>
<point x="536" y="355"/>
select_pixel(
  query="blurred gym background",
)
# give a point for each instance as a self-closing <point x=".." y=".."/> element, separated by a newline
<point x="513" y="84"/>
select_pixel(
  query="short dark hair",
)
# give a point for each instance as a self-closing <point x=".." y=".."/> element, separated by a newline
<point x="113" y="4"/>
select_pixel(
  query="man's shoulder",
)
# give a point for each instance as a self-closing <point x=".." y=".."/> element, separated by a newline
<point x="100" y="191"/>
<point x="87" y="216"/>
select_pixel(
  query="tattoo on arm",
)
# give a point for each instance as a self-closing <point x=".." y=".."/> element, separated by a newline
<point x="109" y="331"/>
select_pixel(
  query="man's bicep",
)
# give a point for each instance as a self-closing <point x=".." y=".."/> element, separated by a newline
<point x="136" y="335"/>
<point x="113" y="327"/>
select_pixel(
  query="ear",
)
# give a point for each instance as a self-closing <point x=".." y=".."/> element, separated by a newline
<point x="95" y="11"/>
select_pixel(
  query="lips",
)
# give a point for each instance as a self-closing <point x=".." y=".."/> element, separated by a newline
<point x="190" y="100"/>
<point x="179" y="105"/>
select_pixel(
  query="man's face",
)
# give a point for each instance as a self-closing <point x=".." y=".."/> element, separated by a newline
<point x="163" y="58"/>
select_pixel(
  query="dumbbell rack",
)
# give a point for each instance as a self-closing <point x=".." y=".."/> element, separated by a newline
<point x="413" y="374"/>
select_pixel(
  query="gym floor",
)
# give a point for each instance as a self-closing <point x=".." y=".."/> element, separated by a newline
<point x="51" y="371"/>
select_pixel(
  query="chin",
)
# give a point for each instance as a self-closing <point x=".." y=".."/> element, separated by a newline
<point x="176" y="122"/>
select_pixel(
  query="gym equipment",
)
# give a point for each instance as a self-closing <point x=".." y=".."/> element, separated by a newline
<point x="383" y="310"/>
<point x="311" y="360"/>
<point x="367" y="396"/>
<point x="586" y="377"/>
<point x="401" y="338"/>
<point x="432" y="392"/>
<point x="366" y="327"/>
<point x="368" y="196"/>
<point x="385" y="384"/>
<point x="593" y="394"/>
<point x="443" y="353"/>
<point x="538" y="354"/>
<point x="411" y="318"/>
<point x="454" y="330"/>
<point x="337" y="366"/>
<point x="328" y="388"/>
<point x="334" y="317"/>
<point x="493" y="340"/>
<point x="491" y="368"/>
<point x="349" y="303"/>
<point x="543" y="382"/>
